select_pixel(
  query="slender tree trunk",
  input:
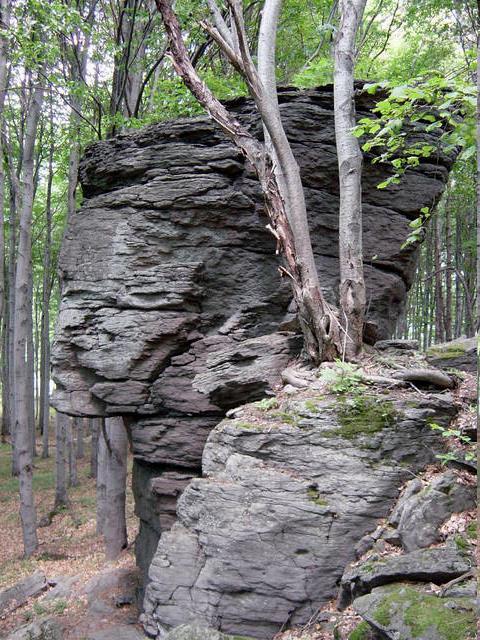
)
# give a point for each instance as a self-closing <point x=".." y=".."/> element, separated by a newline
<point x="46" y="291"/>
<point x="352" y="283"/>
<point x="31" y="367"/>
<point x="458" y="286"/>
<point x="278" y="175"/>
<point x="115" y="526"/>
<point x="102" y="463"/>
<point x="61" y="497"/>
<point x="80" y="452"/>
<point x="11" y="308"/>
<point x="94" y="430"/>
<point x="448" y="272"/>
<point x="477" y="306"/>
<point x="72" y="453"/>
<point x="439" y="304"/>
<point x="23" y="314"/>
<point x="4" y="23"/>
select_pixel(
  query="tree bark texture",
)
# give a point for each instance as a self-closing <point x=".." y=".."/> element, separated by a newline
<point x="352" y="283"/>
<point x="61" y="497"/>
<point x="94" y="428"/>
<point x="102" y="461"/>
<point x="115" y="526"/>
<point x="22" y="325"/>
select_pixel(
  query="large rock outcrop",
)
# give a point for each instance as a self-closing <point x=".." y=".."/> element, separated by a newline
<point x="262" y="539"/>
<point x="172" y="308"/>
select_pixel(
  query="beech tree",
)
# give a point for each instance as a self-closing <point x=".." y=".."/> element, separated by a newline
<point x="352" y="283"/>
<point x="111" y="485"/>
<point x="273" y="160"/>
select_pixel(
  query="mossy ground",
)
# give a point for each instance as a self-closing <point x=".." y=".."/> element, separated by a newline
<point x="362" y="632"/>
<point x="423" y="613"/>
<point x="450" y="351"/>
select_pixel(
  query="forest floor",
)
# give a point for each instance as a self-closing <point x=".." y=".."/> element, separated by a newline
<point x="69" y="546"/>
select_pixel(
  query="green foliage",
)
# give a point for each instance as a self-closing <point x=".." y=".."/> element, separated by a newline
<point x="344" y="377"/>
<point x="426" y="614"/>
<point x="458" y="439"/>
<point x="266" y="404"/>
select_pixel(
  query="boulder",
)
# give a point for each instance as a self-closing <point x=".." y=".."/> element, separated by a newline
<point x="400" y="345"/>
<point x="438" y="565"/>
<point x="118" y="632"/>
<point x="42" y="629"/>
<point x="62" y="587"/>
<point x="24" y="589"/>
<point x="198" y="632"/>
<point x="263" y="538"/>
<point x="402" y="612"/>
<point x="424" y="508"/>
<point x="461" y="353"/>
<point x="172" y="309"/>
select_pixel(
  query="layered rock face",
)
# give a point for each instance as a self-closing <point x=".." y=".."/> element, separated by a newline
<point x="172" y="308"/>
<point x="262" y="539"/>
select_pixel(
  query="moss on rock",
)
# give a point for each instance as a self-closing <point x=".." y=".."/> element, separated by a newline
<point x="362" y="632"/>
<point x="362" y="415"/>
<point x="411" y="613"/>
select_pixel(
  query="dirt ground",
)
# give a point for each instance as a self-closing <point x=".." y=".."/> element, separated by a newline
<point x="68" y="546"/>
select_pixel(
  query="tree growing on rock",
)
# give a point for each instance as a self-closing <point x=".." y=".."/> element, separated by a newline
<point x="272" y="160"/>
<point x="349" y="154"/>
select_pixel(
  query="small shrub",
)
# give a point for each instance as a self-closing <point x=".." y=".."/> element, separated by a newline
<point x="266" y="404"/>
<point x="343" y="378"/>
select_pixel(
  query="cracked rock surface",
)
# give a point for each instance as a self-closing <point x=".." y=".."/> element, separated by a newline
<point x="172" y="308"/>
<point x="262" y="539"/>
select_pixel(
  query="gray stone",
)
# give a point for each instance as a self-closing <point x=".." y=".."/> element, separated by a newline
<point x="461" y="353"/>
<point x="422" y="510"/>
<point x="438" y="565"/>
<point x="41" y="629"/>
<point x="172" y="308"/>
<point x="402" y="345"/>
<point x="118" y="632"/>
<point x="401" y="612"/>
<point x="466" y="588"/>
<point x="24" y="589"/>
<point x="62" y="587"/>
<point x="198" y="632"/>
<point x="265" y="535"/>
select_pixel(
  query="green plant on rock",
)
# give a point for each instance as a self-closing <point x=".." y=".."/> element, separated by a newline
<point x="427" y="614"/>
<point x="344" y="377"/>
<point x="460" y="438"/>
<point x="266" y="404"/>
<point x="315" y="497"/>
<point x="362" y="632"/>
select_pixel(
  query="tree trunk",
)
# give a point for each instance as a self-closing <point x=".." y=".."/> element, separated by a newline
<point x="477" y="305"/>
<point x="46" y="291"/>
<point x="94" y="430"/>
<point x="278" y="175"/>
<point x="115" y="526"/>
<point x="439" y="304"/>
<point x="448" y="272"/>
<point x="22" y="323"/>
<point x="72" y="453"/>
<point x="102" y="463"/>
<point x="80" y="452"/>
<point x="352" y="283"/>
<point x="14" y="189"/>
<point x="61" y="497"/>
<point x="4" y="24"/>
